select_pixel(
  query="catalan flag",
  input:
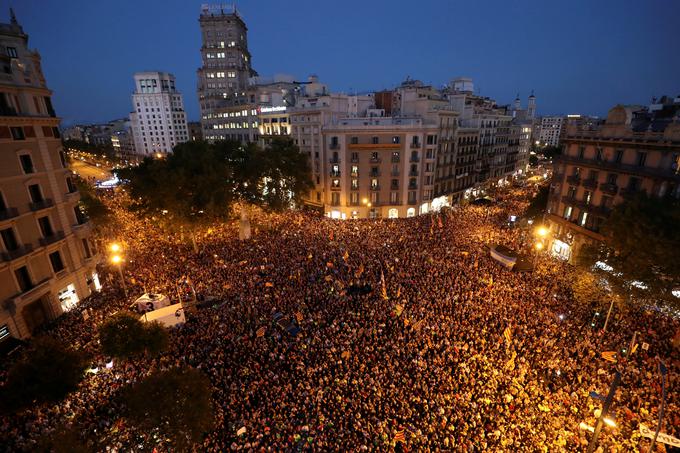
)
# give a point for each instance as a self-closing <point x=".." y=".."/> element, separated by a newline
<point x="398" y="309"/>
<point x="261" y="331"/>
<point x="400" y="437"/>
<point x="609" y="356"/>
<point x="507" y="333"/>
<point x="383" y="286"/>
<point x="345" y="256"/>
<point x="298" y="316"/>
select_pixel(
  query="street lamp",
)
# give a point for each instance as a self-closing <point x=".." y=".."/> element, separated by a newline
<point x="542" y="231"/>
<point x="117" y="260"/>
<point x="538" y="247"/>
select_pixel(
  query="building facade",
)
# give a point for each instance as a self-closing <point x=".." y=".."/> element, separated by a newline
<point x="195" y="131"/>
<point x="225" y="71"/>
<point x="47" y="261"/>
<point x="158" y="118"/>
<point x="551" y="130"/>
<point x="636" y="149"/>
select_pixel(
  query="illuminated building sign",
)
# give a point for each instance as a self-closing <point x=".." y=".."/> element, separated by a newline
<point x="281" y="108"/>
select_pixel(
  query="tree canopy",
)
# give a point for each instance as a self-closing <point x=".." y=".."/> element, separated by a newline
<point x="200" y="181"/>
<point x="642" y="243"/>
<point x="176" y="403"/>
<point x="538" y="204"/>
<point x="46" y="372"/>
<point x="91" y="205"/>
<point x="123" y="335"/>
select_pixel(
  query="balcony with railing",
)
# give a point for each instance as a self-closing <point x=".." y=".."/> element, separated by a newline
<point x="17" y="252"/>
<point x="590" y="184"/>
<point x="335" y="173"/>
<point x="8" y="213"/>
<point x="609" y="188"/>
<point x="334" y="146"/>
<point x="414" y="159"/>
<point x="415" y="145"/>
<point x="375" y="160"/>
<point x="375" y="187"/>
<point x="394" y="172"/>
<point x="54" y="237"/>
<point x="374" y="174"/>
<point x="574" y="180"/>
<point x="413" y="186"/>
<point x="41" y="204"/>
<point x="395" y="159"/>
<point x="413" y="173"/>
<point x="334" y="160"/>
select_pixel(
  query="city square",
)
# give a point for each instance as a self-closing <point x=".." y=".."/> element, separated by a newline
<point x="417" y="268"/>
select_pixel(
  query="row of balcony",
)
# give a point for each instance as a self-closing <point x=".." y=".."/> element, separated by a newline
<point x="376" y="160"/>
<point x="56" y="236"/>
<point x="376" y="203"/>
<point x="620" y="167"/>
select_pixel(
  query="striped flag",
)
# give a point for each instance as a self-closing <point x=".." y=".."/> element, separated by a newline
<point x="507" y="333"/>
<point x="261" y="331"/>
<point x="383" y="289"/>
<point x="609" y="356"/>
<point x="298" y="316"/>
<point x="400" y="437"/>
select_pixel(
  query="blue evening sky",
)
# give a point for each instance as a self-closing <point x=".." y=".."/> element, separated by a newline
<point x="581" y="56"/>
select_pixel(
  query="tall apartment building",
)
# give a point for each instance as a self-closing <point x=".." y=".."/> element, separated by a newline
<point x="226" y="69"/>
<point x="158" y="118"/>
<point x="551" y="130"/>
<point x="313" y="111"/>
<point x="47" y="262"/>
<point x="636" y="149"/>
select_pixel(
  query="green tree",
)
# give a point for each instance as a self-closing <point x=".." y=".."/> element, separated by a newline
<point x="174" y="403"/>
<point x="189" y="188"/>
<point x="199" y="182"/>
<point x="46" y="372"/>
<point x="587" y="288"/>
<point x="538" y="204"/>
<point x="550" y="152"/>
<point x="91" y="205"/>
<point x="123" y="335"/>
<point x="641" y="244"/>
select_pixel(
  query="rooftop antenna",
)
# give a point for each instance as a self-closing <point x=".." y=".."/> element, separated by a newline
<point x="13" y="17"/>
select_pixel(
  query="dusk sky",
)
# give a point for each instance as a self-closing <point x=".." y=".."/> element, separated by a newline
<point x="578" y="56"/>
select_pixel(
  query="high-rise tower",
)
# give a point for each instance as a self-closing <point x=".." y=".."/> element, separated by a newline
<point x="223" y="78"/>
<point x="531" y="107"/>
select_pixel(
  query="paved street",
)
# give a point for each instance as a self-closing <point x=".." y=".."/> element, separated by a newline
<point x="87" y="170"/>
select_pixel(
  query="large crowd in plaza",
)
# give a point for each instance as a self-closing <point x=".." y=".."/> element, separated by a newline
<point x="426" y="356"/>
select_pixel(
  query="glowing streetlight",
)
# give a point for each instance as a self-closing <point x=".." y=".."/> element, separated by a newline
<point x="542" y="231"/>
<point x="117" y="261"/>
<point x="539" y="246"/>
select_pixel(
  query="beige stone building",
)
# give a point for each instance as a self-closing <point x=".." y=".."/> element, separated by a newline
<point x="636" y="149"/>
<point x="47" y="261"/>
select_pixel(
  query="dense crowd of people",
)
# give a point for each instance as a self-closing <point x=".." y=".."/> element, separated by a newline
<point x="446" y="349"/>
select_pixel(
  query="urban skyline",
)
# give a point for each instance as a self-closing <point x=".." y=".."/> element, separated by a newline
<point x="560" y="70"/>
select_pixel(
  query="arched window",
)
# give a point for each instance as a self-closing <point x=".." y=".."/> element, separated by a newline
<point x="411" y="212"/>
<point x="393" y="213"/>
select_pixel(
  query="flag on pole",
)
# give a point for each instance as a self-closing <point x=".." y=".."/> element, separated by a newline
<point x="400" y="437"/>
<point x="269" y="285"/>
<point x="261" y="331"/>
<point x="398" y="309"/>
<point x="609" y="356"/>
<point x="383" y="286"/>
<point x="298" y="316"/>
<point x="345" y="257"/>
<point x="507" y="333"/>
